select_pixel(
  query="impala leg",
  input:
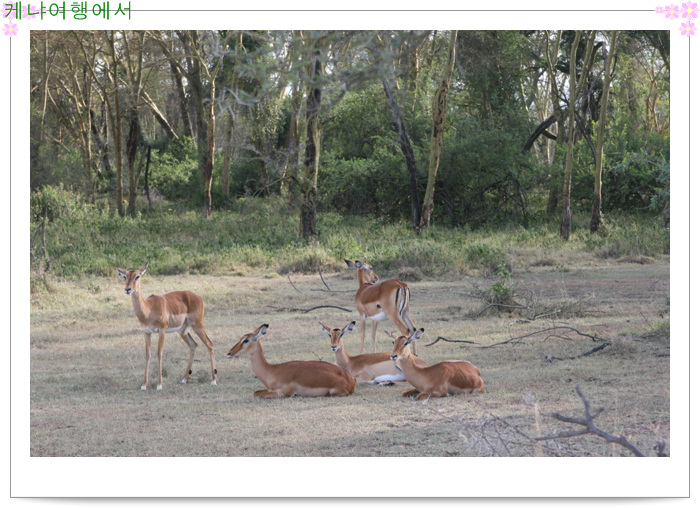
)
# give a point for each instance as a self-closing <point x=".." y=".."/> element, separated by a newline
<point x="161" y="343"/>
<point x="148" y="357"/>
<point x="362" y="342"/>
<point x="374" y="336"/>
<point x="202" y="334"/>
<point x="192" y="345"/>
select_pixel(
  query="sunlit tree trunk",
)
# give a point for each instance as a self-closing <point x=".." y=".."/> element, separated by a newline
<point x="574" y="90"/>
<point x="407" y="149"/>
<point x="439" y="116"/>
<point x="309" y="177"/>
<point x="596" y="220"/>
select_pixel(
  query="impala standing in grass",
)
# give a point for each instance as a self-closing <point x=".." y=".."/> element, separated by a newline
<point x="368" y="368"/>
<point x="445" y="378"/>
<point x="177" y="311"/>
<point x="378" y="302"/>
<point x="303" y="378"/>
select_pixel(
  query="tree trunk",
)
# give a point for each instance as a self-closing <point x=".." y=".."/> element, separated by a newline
<point x="313" y="150"/>
<point x="116" y="122"/>
<point x="407" y="150"/>
<point x="574" y="89"/>
<point x="208" y="168"/>
<point x="554" y="164"/>
<point x="228" y="152"/>
<point x="439" y="116"/>
<point x="132" y="143"/>
<point x="596" y="219"/>
<point x="145" y="178"/>
<point x="182" y="100"/>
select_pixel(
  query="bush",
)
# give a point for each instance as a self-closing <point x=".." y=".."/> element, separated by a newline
<point x="55" y="202"/>
<point x="174" y="171"/>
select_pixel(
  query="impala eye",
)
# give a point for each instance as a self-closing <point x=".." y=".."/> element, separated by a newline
<point x="245" y="340"/>
<point x="137" y="277"/>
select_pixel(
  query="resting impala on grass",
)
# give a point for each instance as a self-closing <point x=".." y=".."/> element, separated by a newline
<point x="369" y="368"/>
<point x="177" y="311"/>
<point x="303" y="378"/>
<point x="445" y="378"/>
<point x="378" y="302"/>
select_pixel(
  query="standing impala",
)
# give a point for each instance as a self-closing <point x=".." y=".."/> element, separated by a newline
<point x="370" y="368"/>
<point x="303" y="378"/>
<point x="445" y="378"/>
<point x="177" y="311"/>
<point x="378" y="302"/>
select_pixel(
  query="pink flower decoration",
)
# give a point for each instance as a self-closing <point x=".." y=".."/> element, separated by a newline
<point x="7" y="14"/>
<point x="690" y="10"/>
<point x="26" y="10"/>
<point x="10" y="29"/>
<point x="687" y="29"/>
<point x="672" y="11"/>
<point x="660" y="10"/>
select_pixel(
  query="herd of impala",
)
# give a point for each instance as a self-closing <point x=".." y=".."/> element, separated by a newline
<point x="183" y="312"/>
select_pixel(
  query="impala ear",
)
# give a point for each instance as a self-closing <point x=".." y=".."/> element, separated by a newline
<point x="417" y="335"/>
<point x="325" y="329"/>
<point x="143" y="270"/>
<point x="121" y="272"/>
<point x="262" y="331"/>
<point x="351" y="264"/>
<point x="348" y="328"/>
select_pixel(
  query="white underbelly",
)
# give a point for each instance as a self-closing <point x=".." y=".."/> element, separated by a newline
<point x="379" y="317"/>
<point x="167" y="330"/>
<point x="182" y="325"/>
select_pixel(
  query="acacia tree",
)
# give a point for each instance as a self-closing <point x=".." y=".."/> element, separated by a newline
<point x="71" y="78"/>
<point x="596" y="220"/>
<point x="575" y="88"/>
<point x="203" y="59"/>
<point x="436" y="136"/>
<point x="309" y="178"/>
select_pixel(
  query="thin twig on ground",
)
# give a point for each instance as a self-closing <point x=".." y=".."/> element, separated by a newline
<point x="328" y="289"/>
<point x="594" y="350"/>
<point x="290" y="281"/>
<point x="570" y="328"/>
<point x="590" y="427"/>
<point x="296" y="309"/>
<point x="450" y="340"/>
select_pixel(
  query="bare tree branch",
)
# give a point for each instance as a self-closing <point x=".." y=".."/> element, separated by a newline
<point x="595" y="338"/>
<point x="290" y="281"/>
<point x="591" y="428"/>
<point x="296" y="309"/>
<point x="450" y="340"/>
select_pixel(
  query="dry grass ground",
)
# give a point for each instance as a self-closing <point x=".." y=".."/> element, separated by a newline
<point x="87" y="359"/>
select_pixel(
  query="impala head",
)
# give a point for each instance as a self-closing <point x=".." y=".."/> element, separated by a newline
<point x="248" y="344"/>
<point x="336" y="334"/>
<point x="364" y="272"/>
<point x="401" y="350"/>
<point x="132" y="278"/>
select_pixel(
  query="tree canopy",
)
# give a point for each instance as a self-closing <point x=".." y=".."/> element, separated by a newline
<point x="344" y="121"/>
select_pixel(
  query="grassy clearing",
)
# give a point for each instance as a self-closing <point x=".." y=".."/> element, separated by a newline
<point x="261" y="237"/>
<point x="92" y="405"/>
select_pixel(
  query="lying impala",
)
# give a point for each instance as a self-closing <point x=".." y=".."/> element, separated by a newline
<point x="369" y="368"/>
<point x="378" y="302"/>
<point x="178" y="311"/>
<point x="303" y="378"/>
<point x="445" y="378"/>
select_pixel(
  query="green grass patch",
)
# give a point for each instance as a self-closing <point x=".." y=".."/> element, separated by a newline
<point x="261" y="235"/>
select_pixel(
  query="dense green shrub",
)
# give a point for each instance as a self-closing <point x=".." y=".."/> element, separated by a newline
<point x="55" y="202"/>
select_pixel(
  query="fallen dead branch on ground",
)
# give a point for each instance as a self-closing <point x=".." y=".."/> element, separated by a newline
<point x="591" y="428"/>
<point x="451" y="340"/>
<point x="519" y="338"/>
<point x="297" y="309"/>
